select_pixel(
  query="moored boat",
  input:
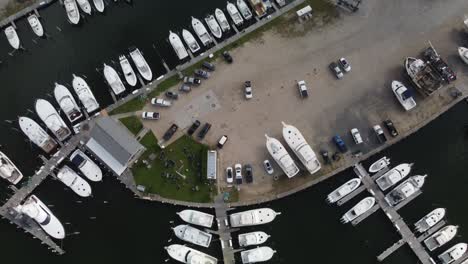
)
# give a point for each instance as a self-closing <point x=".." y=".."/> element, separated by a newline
<point x="441" y="237"/>
<point x="36" y="25"/>
<point x="188" y="255"/>
<point x="75" y="182"/>
<point x="89" y="169"/>
<point x="12" y="37"/>
<point x="201" y="32"/>
<point x="52" y="119"/>
<point x="281" y="156"/>
<point x="463" y="53"/>
<point x="252" y="238"/>
<point x="113" y="79"/>
<point x="253" y="217"/>
<point x="453" y="253"/>
<point x="222" y="20"/>
<point x="430" y="220"/>
<point x="85" y="6"/>
<point x="85" y="94"/>
<point x="8" y="170"/>
<point x="360" y="208"/>
<point x="343" y="190"/>
<point x="193" y="235"/>
<point x="196" y="217"/>
<point x="36" y="134"/>
<point x="128" y="71"/>
<point x="260" y="7"/>
<point x="234" y="14"/>
<point x="99" y="5"/>
<point x="67" y="102"/>
<point x="213" y="26"/>
<point x="260" y="254"/>
<point x="244" y="9"/>
<point x="177" y="45"/>
<point x="379" y="165"/>
<point x="73" y="14"/>
<point x="405" y="189"/>
<point x="190" y="41"/>
<point x="393" y="176"/>
<point x="141" y="64"/>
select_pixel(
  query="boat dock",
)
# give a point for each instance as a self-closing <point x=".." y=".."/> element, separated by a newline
<point x="224" y="231"/>
<point x="30" y="9"/>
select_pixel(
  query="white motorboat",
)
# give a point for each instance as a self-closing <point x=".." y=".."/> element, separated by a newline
<point x="99" y="5"/>
<point x="260" y="254"/>
<point x="405" y="189"/>
<point x="213" y="26"/>
<point x="234" y="14"/>
<point x="196" y="217"/>
<point x="75" y="182"/>
<point x="465" y="22"/>
<point x="190" y="41"/>
<point x="67" y="102"/>
<point x="201" y="32"/>
<point x="141" y="64"/>
<point x="127" y="69"/>
<point x="404" y="95"/>
<point x="113" y="79"/>
<point x="73" y="13"/>
<point x="244" y="9"/>
<point x="430" y="220"/>
<point x="260" y="7"/>
<point x="36" y="25"/>
<point x="12" y="37"/>
<point x="85" y="6"/>
<point x="52" y="119"/>
<point x="8" y="170"/>
<point x="193" y="235"/>
<point x="343" y="190"/>
<point x="188" y="255"/>
<point x="281" y="156"/>
<point x="360" y="208"/>
<point x="222" y="20"/>
<point x="87" y="166"/>
<point x="463" y="52"/>
<point x="85" y="94"/>
<point x="36" y="134"/>
<point x="253" y="238"/>
<point x="379" y="165"/>
<point x="453" y="253"/>
<point x="40" y="213"/>
<point x="393" y="176"/>
<point x="253" y="217"/>
<point x="301" y="148"/>
<point x="177" y="45"/>
<point x="441" y="237"/>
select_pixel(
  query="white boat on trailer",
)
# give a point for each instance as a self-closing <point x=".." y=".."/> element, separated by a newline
<point x="430" y="220"/>
<point x="12" y="37"/>
<point x="259" y="254"/>
<point x="99" y="5"/>
<point x="73" y="14"/>
<point x="393" y="176"/>
<point x="85" y="6"/>
<point x="193" y="235"/>
<point x="252" y="238"/>
<point x="85" y="94"/>
<point x="177" y="45"/>
<point x="454" y="253"/>
<point x="67" y="103"/>
<point x="213" y="26"/>
<point x="128" y="71"/>
<point x="222" y="20"/>
<point x="234" y="14"/>
<point x="36" y="134"/>
<point x="404" y="95"/>
<point x="190" y="41"/>
<point x="36" y="25"/>
<point x="188" y="255"/>
<point x="141" y="64"/>
<point x="405" y="190"/>
<point x="87" y="166"/>
<point x="244" y="9"/>
<point x="52" y="119"/>
<point x="71" y="179"/>
<point x="343" y="190"/>
<point x="441" y="237"/>
<point x="196" y="217"/>
<point x="379" y="165"/>
<point x="253" y="217"/>
<point x="201" y="32"/>
<point x="8" y="170"/>
<point x="281" y="156"/>
<point x="360" y="208"/>
<point x="113" y="79"/>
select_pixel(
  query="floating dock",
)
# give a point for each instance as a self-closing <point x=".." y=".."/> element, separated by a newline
<point x="224" y="231"/>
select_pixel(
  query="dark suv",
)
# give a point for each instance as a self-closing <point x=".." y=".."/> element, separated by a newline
<point x="193" y="127"/>
<point x="170" y="132"/>
<point x="248" y="173"/>
<point x="201" y="135"/>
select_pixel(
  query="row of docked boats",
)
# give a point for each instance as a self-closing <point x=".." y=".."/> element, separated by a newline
<point x="72" y="8"/>
<point x="12" y="35"/>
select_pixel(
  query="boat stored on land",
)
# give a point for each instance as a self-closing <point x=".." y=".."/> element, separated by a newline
<point x="244" y="9"/>
<point x="8" y="170"/>
<point x="260" y="254"/>
<point x="253" y="217"/>
<point x="190" y="41"/>
<point x="234" y="14"/>
<point x="39" y="212"/>
<point x="343" y="190"/>
<point x="177" y="45"/>
<point x="222" y="20"/>
<point x="52" y="119"/>
<point x="36" y="134"/>
<point x="441" y="237"/>
<point x="405" y="190"/>
<point x="67" y="102"/>
<point x="12" y="37"/>
<point x="36" y="25"/>
<point x="360" y="208"/>
<point x="281" y="156"/>
<point x="404" y="95"/>
<point x="422" y="75"/>
<point x="85" y="6"/>
<point x="113" y="79"/>
<point x="252" y="238"/>
<point x="453" y="253"/>
<point x="73" y="14"/>
<point x="85" y="94"/>
<point x="196" y="217"/>
<point x="188" y="255"/>
<point x="393" y="176"/>
<point x="430" y="220"/>
<point x="379" y="165"/>
<point x="127" y="69"/>
<point x="213" y="26"/>
<point x="71" y="179"/>
<point x="99" y="4"/>
<point x="463" y="52"/>
<point x="87" y="166"/>
<point x="201" y="32"/>
<point x="193" y="235"/>
<point x="141" y="64"/>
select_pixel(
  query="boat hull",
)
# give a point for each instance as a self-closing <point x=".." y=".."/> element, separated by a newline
<point x="36" y="25"/>
<point x="253" y="217"/>
<point x="463" y="53"/>
<point x="343" y="190"/>
<point x="260" y="254"/>
<point x="67" y="103"/>
<point x="379" y="165"/>
<point x="141" y="64"/>
<point x="190" y="41"/>
<point x="252" y="238"/>
<point x="201" y="32"/>
<point x="222" y="20"/>
<point x="89" y="169"/>
<point x="113" y="79"/>
<point x="281" y="157"/>
<point x="359" y="209"/>
<point x="85" y="94"/>
<point x="214" y="26"/>
<point x="73" y="14"/>
<point x="12" y="37"/>
<point x="193" y="235"/>
<point x="196" y="218"/>
<point x="177" y="45"/>
<point x="99" y="5"/>
<point x="127" y="69"/>
<point x="188" y="255"/>
<point x="430" y="220"/>
<point x="8" y="170"/>
<point x="52" y="119"/>
<point x="37" y="135"/>
<point x="74" y="182"/>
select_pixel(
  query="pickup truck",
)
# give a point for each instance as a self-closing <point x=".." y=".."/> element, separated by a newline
<point x="380" y="134"/>
<point x="160" y="102"/>
<point x="302" y="89"/>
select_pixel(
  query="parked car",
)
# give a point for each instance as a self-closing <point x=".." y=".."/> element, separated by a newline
<point x="202" y="74"/>
<point x="391" y="127"/>
<point x="170" y="132"/>
<point x="340" y="144"/>
<point x="336" y="70"/>
<point x="192" y="80"/>
<point x="150" y="115"/>
<point x="268" y="167"/>
<point x="201" y="135"/>
<point x="229" y="175"/>
<point x="248" y="173"/>
<point x="380" y="134"/>
<point x="238" y="169"/>
<point x="302" y="89"/>
<point x="172" y="95"/>
<point x="185" y="88"/>
<point x="227" y="57"/>
<point x="345" y="65"/>
<point x="356" y="136"/>
<point x="326" y="157"/>
<point x="208" y="66"/>
<point x="222" y="141"/>
<point x="193" y="127"/>
<point x="160" y="102"/>
<point x="248" y="90"/>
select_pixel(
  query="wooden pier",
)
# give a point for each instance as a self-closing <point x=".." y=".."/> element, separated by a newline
<point x="224" y="231"/>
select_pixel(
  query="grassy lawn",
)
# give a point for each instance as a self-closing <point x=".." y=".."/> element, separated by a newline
<point x="185" y="156"/>
<point x="133" y="124"/>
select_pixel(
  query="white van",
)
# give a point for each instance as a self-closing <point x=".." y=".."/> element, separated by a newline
<point x="222" y="141"/>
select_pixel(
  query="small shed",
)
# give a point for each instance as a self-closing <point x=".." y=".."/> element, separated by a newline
<point x="211" y="166"/>
<point x="304" y="13"/>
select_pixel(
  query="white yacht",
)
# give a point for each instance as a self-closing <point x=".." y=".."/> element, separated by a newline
<point x="193" y="235"/>
<point x="67" y="102"/>
<point x="38" y="211"/>
<point x="85" y="94"/>
<point x="453" y="253"/>
<point x="196" y="217"/>
<point x="260" y="254"/>
<point x="128" y="71"/>
<point x="99" y="4"/>
<point x="113" y="79"/>
<point x="441" y="237"/>
<point x="234" y="14"/>
<point x="190" y="41"/>
<point x="213" y="26"/>
<point x="36" y="134"/>
<point x="73" y="13"/>
<point x="36" y="25"/>
<point x="463" y="52"/>
<point x="253" y="217"/>
<point x="75" y="182"/>
<point x="253" y="238"/>
<point x="430" y="220"/>
<point x="405" y="190"/>
<point x="87" y="166"/>
<point x="404" y="96"/>
<point x="222" y="20"/>
<point x="201" y="32"/>
<point x="188" y="255"/>
<point x="177" y="45"/>
<point x="141" y="64"/>
<point x="85" y="6"/>
<point x="393" y="176"/>
<point x="12" y="37"/>
<point x="360" y="208"/>
<point x="8" y="170"/>
<point x="301" y="148"/>
<point x="281" y="3"/>
<point x="343" y="190"/>
<point x="281" y="156"/>
<point x="244" y="9"/>
<point x="379" y="165"/>
<point x="52" y="119"/>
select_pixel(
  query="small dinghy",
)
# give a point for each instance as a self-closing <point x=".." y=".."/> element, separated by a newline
<point x="73" y="14"/>
<point x="127" y="69"/>
<point x="99" y="5"/>
<point x="196" y="217"/>
<point x="213" y="26"/>
<point x="36" y="25"/>
<point x="360" y="208"/>
<point x="379" y="165"/>
<point x="193" y="235"/>
<point x="75" y="182"/>
<point x="252" y="238"/>
<point x="85" y="6"/>
<point x="12" y="37"/>
<point x="190" y="40"/>
<point x="343" y="190"/>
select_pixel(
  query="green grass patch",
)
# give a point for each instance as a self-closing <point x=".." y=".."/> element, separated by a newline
<point x="164" y="86"/>
<point x="14" y="6"/>
<point x="185" y="156"/>
<point x="132" y="123"/>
